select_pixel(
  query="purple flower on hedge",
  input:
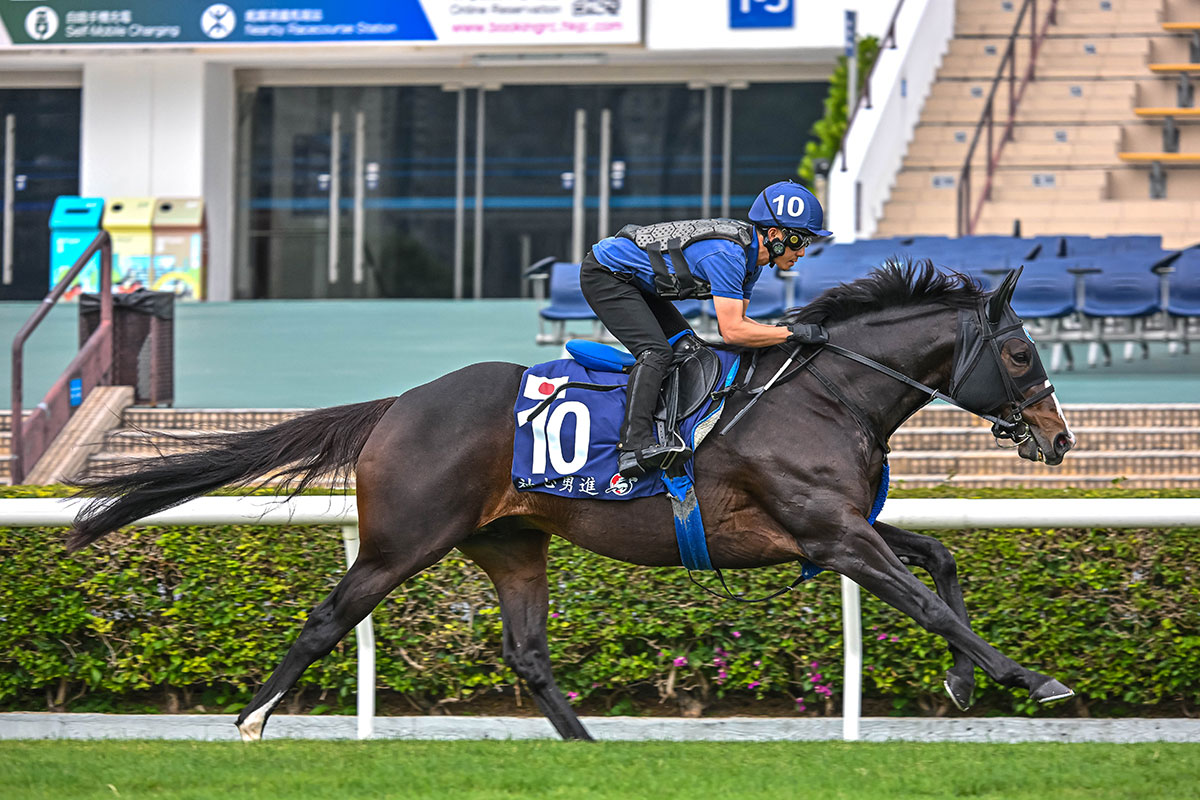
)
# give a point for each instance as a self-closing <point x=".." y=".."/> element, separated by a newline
<point x="681" y="662"/>
<point x="572" y="695"/>
<point x="737" y="634"/>
<point x="753" y="685"/>
<point x="882" y="637"/>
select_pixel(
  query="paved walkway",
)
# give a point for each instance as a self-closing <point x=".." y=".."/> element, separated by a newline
<point x="306" y="354"/>
<point x="217" y="727"/>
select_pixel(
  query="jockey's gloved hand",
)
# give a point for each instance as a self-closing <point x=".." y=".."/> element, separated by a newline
<point x="808" y="333"/>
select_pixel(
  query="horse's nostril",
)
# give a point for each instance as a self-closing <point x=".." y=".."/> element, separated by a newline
<point x="1062" y="443"/>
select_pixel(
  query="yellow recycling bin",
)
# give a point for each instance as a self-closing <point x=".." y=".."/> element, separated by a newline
<point x="127" y="220"/>
<point x="179" y="247"/>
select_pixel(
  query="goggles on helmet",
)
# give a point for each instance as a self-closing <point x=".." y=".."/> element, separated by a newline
<point x="798" y="239"/>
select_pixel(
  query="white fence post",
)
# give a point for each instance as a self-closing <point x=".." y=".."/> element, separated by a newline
<point x="852" y="646"/>
<point x="365" y="634"/>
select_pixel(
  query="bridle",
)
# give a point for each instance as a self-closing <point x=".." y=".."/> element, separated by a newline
<point x="977" y="372"/>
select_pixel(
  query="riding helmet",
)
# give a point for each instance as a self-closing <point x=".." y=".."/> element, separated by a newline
<point x="787" y="204"/>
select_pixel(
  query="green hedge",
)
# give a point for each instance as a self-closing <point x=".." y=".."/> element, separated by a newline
<point x="1114" y="614"/>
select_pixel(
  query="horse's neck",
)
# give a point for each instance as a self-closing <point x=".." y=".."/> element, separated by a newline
<point x="917" y="342"/>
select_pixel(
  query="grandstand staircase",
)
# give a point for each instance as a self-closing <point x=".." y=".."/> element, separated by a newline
<point x="1089" y="129"/>
<point x="1134" y="446"/>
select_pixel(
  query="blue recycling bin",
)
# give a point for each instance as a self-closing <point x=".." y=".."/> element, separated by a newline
<point x="74" y="223"/>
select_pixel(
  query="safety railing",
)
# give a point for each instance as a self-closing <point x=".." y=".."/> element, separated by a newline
<point x="968" y="212"/>
<point x="91" y="367"/>
<point x="913" y="514"/>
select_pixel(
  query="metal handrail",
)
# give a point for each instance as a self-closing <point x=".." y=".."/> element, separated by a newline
<point x="968" y="217"/>
<point x="888" y="41"/>
<point x="43" y="415"/>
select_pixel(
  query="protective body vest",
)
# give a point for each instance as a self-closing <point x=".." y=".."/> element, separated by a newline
<point x="671" y="238"/>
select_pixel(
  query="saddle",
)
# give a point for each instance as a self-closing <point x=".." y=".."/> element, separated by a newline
<point x="694" y="374"/>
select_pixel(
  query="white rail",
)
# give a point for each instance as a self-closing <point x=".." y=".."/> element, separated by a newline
<point x="916" y="514"/>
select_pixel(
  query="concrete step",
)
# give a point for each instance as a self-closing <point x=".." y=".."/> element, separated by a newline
<point x="1063" y="57"/>
<point x="1098" y="17"/>
<point x="209" y="418"/>
<point x="1048" y="481"/>
<point x="1033" y="146"/>
<point x="1114" y="465"/>
<point x="1079" y="415"/>
<point x="1092" y="440"/>
<point x="1049" y="100"/>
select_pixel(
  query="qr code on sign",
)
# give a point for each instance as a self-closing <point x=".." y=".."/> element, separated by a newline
<point x="582" y="8"/>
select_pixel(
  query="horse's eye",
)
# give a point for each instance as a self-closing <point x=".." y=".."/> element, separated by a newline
<point x="1021" y="357"/>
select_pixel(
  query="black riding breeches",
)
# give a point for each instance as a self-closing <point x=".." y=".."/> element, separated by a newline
<point x="641" y="321"/>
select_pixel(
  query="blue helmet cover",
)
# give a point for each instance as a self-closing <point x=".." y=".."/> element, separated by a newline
<point x="787" y="204"/>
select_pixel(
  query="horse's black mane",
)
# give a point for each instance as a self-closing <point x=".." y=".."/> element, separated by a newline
<point x="895" y="283"/>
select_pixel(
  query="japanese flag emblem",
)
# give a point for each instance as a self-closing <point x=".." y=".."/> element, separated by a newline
<point x="538" y="388"/>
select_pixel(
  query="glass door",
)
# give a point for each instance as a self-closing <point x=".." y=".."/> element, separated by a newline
<point x="650" y="137"/>
<point x="350" y="193"/>
<point x="39" y="145"/>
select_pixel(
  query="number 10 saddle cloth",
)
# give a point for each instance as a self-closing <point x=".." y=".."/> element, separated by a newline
<point x="569" y="414"/>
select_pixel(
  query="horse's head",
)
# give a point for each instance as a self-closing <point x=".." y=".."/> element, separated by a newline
<point x="997" y="371"/>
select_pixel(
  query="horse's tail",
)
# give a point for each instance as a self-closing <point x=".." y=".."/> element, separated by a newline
<point x="297" y="452"/>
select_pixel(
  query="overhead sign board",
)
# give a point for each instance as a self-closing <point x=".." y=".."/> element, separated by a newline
<point x="57" y="23"/>
<point x="761" y="14"/>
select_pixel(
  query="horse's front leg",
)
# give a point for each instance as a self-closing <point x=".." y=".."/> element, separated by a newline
<point x="854" y="549"/>
<point x="932" y="556"/>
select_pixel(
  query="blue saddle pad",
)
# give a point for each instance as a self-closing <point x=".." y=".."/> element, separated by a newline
<point x="570" y="448"/>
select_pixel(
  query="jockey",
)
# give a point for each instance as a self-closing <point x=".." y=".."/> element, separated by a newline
<point x="619" y="282"/>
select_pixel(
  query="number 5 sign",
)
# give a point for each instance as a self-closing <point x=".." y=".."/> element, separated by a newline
<point x="761" y="14"/>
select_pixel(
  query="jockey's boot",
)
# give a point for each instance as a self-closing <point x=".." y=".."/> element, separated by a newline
<point x="639" y="451"/>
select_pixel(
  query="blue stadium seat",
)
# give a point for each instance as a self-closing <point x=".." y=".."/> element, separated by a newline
<point x="1075" y="246"/>
<point x="566" y="298"/>
<point x="1184" y="285"/>
<point x="770" y="297"/>
<point x="1045" y="291"/>
<point x="1121" y="289"/>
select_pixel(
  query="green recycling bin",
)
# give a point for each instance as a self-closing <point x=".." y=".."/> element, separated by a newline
<point x="74" y="223"/>
<point x="179" y="247"/>
<point x="127" y="220"/>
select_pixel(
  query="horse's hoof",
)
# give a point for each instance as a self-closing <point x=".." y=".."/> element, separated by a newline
<point x="961" y="692"/>
<point x="251" y="728"/>
<point x="249" y="733"/>
<point x="1051" y="692"/>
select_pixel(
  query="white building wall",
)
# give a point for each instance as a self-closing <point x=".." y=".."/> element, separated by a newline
<point x="877" y="141"/>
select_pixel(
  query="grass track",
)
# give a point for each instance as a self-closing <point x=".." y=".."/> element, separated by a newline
<point x="545" y="769"/>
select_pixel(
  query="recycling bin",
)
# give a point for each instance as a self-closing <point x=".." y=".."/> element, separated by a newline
<point x="127" y="220"/>
<point x="143" y="342"/>
<point x="74" y="223"/>
<point x="179" y="247"/>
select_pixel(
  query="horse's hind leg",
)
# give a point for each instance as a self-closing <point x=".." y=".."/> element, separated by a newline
<point x="932" y="556"/>
<point x="367" y="582"/>
<point x="516" y="563"/>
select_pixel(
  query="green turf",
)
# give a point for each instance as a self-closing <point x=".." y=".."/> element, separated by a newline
<point x="545" y="769"/>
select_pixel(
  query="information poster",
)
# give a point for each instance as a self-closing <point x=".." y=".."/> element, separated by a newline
<point x="428" y="22"/>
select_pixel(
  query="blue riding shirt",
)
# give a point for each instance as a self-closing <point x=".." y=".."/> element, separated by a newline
<point x="730" y="269"/>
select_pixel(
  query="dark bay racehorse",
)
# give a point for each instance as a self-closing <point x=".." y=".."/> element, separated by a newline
<point x="794" y="478"/>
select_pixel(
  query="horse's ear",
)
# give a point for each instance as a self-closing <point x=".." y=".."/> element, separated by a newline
<point x="1000" y="298"/>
